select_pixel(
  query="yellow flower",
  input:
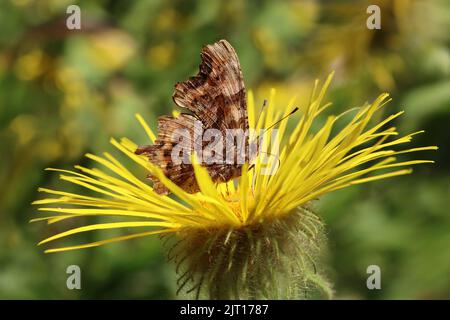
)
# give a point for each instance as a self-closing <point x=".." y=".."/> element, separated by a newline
<point x="241" y="238"/>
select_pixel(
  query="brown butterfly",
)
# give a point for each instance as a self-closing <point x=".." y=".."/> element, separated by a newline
<point x="217" y="99"/>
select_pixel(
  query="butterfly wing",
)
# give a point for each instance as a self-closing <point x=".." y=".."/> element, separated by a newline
<point x="216" y="95"/>
<point x="173" y="131"/>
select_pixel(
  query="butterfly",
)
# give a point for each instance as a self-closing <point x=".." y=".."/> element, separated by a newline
<point x="216" y="97"/>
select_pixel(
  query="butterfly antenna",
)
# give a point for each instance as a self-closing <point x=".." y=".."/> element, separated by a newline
<point x="259" y="117"/>
<point x="261" y="111"/>
<point x="271" y="126"/>
<point x="286" y="116"/>
<point x="277" y="122"/>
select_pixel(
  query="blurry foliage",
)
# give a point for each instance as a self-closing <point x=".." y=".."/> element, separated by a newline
<point x="64" y="93"/>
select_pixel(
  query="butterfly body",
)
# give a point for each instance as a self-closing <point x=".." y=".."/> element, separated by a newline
<point x="216" y="97"/>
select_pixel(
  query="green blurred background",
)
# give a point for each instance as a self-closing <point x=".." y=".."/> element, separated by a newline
<point x="64" y="93"/>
